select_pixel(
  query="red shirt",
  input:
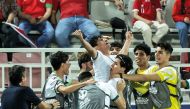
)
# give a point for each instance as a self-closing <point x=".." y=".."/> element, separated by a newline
<point x="55" y="4"/>
<point x="71" y="8"/>
<point x="147" y="8"/>
<point x="177" y="15"/>
<point x="35" y="8"/>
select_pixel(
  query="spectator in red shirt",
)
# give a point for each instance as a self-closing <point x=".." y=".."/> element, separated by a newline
<point x="34" y="14"/>
<point x="147" y="15"/>
<point x="74" y="16"/>
<point x="181" y="15"/>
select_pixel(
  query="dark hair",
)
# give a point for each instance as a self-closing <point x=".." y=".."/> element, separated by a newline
<point x="125" y="62"/>
<point x="84" y="76"/>
<point x="166" y="46"/>
<point x="116" y="44"/>
<point x="57" y="59"/>
<point x="15" y="74"/>
<point x="144" y="47"/>
<point x="93" y="41"/>
<point x="84" y="57"/>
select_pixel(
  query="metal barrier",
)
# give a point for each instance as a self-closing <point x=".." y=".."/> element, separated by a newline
<point x="74" y="66"/>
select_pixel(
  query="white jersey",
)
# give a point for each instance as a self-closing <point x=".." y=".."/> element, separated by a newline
<point x="114" y="81"/>
<point x="52" y="84"/>
<point x="102" y="65"/>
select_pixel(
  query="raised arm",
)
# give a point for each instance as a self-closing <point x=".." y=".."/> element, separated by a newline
<point x="125" y="48"/>
<point x="92" y="51"/>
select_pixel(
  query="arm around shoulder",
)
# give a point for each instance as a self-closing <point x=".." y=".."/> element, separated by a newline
<point x="74" y="87"/>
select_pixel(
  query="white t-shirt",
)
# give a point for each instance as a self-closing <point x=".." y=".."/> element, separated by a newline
<point x="108" y="90"/>
<point x="114" y="81"/>
<point x="102" y="65"/>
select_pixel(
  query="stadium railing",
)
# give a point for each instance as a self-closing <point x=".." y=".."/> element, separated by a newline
<point x="44" y="63"/>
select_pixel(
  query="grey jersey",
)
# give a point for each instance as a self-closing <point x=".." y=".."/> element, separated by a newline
<point x="90" y="97"/>
<point x="96" y="96"/>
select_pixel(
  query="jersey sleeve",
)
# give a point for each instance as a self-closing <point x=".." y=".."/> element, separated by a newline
<point x="49" y="4"/>
<point x="54" y="83"/>
<point x="166" y="73"/>
<point x="58" y="84"/>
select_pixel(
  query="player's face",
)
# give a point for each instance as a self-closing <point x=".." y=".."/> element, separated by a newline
<point x="141" y="58"/>
<point x="66" y="67"/>
<point x="114" y="50"/>
<point x="116" y="67"/>
<point x="161" y="56"/>
<point x="103" y="44"/>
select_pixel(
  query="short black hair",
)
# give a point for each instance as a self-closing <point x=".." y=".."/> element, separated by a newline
<point x="116" y="44"/>
<point x="166" y="46"/>
<point x="84" y="57"/>
<point x="144" y="47"/>
<point x="84" y="76"/>
<point x="15" y="74"/>
<point x="94" y="41"/>
<point x="126" y="62"/>
<point x="57" y="59"/>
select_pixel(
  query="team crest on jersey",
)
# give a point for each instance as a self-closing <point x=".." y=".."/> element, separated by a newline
<point x="43" y="1"/>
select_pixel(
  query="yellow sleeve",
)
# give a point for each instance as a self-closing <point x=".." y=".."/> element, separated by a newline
<point x="166" y="73"/>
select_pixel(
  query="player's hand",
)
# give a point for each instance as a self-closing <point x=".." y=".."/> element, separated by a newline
<point x="56" y="104"/>
<point x="78" y="34"/>
<point x="129" y="35"/>
<point x="121" y="85"/>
